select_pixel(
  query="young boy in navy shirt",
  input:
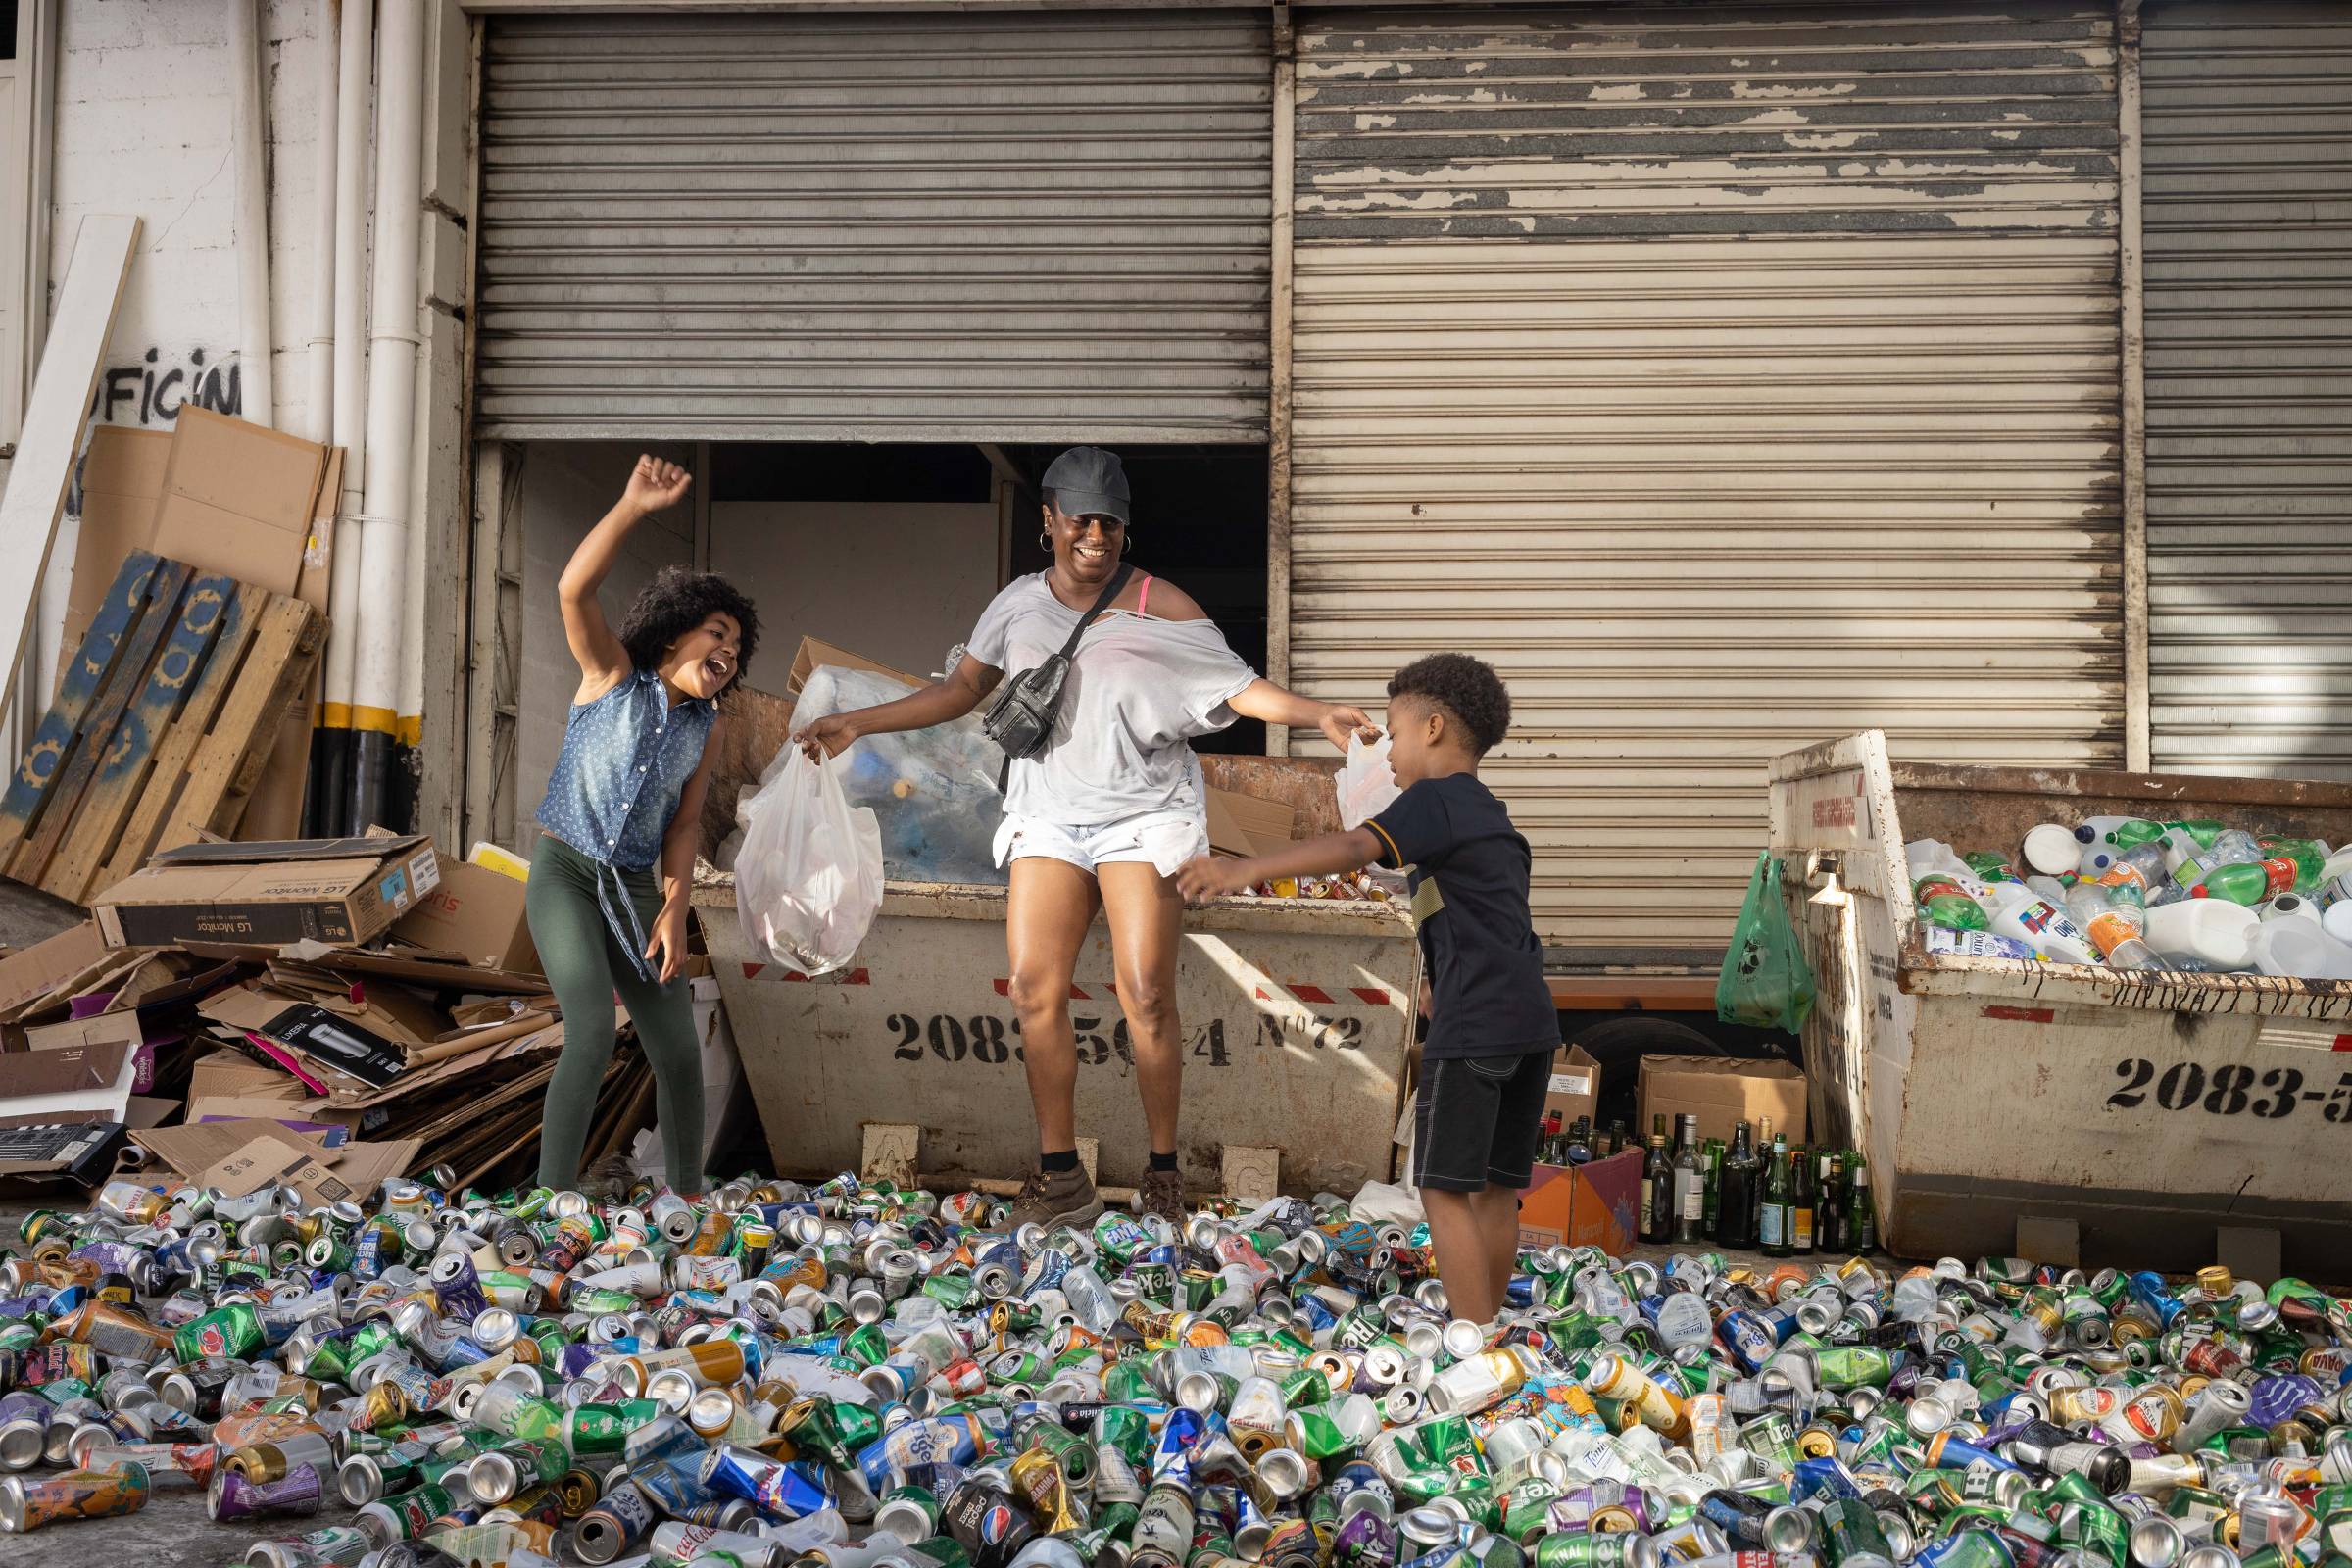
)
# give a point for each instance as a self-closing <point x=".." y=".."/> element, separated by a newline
<point x="1486" y="1062"/>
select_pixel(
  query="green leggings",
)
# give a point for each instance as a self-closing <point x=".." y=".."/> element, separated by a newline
<point x="585" y="964"/>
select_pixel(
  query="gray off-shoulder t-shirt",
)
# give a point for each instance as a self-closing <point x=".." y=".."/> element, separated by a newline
<point x="1140" y="689"/>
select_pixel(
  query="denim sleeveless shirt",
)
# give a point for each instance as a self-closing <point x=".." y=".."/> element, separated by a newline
<point x="626" y="757"/>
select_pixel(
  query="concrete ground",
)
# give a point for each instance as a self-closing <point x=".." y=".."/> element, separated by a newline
<point x="174" y="1532"/>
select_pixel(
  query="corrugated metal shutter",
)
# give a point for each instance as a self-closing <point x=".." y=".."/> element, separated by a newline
<point x="1733" y="379"/>
<point x="2247" y="112"/>
<point x="1043" y="227"/>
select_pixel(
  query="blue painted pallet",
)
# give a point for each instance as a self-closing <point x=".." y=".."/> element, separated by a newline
<point x="53" y="744"/>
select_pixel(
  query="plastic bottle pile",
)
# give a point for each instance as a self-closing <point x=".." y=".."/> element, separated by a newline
<point x="863" y="1378"/>
<point x="2194" y="897"/>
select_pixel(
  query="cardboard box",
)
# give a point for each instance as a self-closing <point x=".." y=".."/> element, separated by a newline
<point x="1722" y="1090"/>
<point x="1593" y="1204"/>
<point x="121" y="478"/>
<point x="814" y="651"/>
<point x="340" y="892"/>
<point x="476" y="913"/>
<point x="1239" y="824"/>
<point x="1575" y="1086"/>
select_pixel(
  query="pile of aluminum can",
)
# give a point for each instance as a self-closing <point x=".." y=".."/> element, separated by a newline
<point x="856" y="1375"/>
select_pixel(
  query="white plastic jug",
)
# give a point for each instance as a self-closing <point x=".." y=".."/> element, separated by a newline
<point x="2337" y="920"/>
<point x="2213" y="930"/>
<point x="2300" y="950"/>
<point x="2051" y="849"/>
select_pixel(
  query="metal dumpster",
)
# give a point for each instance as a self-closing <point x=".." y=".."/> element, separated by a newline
<point x="1298" y="1019"/>
<point x="2149" y="1107"/>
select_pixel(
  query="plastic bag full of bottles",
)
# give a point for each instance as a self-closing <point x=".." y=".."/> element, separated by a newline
<point x="854" y="1376"/>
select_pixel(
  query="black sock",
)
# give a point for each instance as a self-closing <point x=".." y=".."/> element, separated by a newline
<point x="1160" y="1162"/>
<point x="1060" y="1159"/>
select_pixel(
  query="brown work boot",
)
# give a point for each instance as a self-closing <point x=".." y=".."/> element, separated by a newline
<point x="1161" y="1194"/>
<point x="1050" y="1198"/>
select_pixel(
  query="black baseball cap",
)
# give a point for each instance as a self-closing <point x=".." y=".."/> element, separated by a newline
<point x="1088" y="481"/>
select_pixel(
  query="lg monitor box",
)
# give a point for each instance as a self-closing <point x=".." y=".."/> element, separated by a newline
<point x="340" y="892"/>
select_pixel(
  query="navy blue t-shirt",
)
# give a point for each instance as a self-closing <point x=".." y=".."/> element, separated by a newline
<point x="1470" y="869"/>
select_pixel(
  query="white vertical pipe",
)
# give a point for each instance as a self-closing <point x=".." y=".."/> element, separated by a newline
<point x="319" y="382"/>
<point x="248" y="132"/>
<point x="353" y="114"/>
<point x="393" y="346"/>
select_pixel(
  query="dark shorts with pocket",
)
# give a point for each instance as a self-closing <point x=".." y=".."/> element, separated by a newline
<point x="1477" y="1120"/>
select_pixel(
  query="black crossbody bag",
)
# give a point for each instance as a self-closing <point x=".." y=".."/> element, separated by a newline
<point x="1021" y="716"/>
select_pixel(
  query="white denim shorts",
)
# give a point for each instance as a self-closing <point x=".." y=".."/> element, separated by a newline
<point x="1163" y="840"/>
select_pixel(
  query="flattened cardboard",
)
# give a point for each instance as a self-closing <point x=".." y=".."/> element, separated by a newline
<point x="47" y="1084"/>
<point x="197" y="1148"/>
<point x="1241" y="826"/>
<point x="121" y="479"/>
<point x="1722" y="1090"/>
<point x="340" y="892"/>
<point x="118" y="1028"/>
<point x="437" y="973"/>
<point x="476" y="913"/>
<point x="29" y="976"/>
<point x="238" y="497"/>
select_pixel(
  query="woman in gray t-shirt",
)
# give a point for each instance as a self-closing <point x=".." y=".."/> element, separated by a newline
<point x="1106" y="813"/>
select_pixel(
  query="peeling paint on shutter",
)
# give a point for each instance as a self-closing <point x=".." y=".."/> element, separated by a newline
<point x="1038" y="227"/>
<point x="2248" y="109"/>
<point x="1732" y="379"/>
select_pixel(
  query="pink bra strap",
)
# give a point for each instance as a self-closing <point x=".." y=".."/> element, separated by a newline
<point x="1143" y="600"/>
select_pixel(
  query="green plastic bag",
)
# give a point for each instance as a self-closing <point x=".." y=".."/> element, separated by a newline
<point x="1766" y="982"/>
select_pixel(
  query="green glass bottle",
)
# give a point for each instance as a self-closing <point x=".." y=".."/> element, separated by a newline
<point x="1774" y="1218"/>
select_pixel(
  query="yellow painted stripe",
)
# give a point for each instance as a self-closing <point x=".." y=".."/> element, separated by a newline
<point x="409" y="731"/>
<point x="334" y="716"/>
<point x="382" y="720"/>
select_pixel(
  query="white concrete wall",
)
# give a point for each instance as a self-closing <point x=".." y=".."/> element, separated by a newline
<point x="142" y="127"/>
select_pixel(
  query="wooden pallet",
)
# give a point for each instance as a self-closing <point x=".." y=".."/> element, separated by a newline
<point x="162" y="725"/>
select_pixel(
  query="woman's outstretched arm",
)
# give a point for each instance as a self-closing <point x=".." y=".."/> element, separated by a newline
<point x="653" y="485"/>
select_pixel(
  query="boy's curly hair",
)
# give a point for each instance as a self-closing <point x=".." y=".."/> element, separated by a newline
<point x="1466" y="688"/>
<point x="677" y="601"/>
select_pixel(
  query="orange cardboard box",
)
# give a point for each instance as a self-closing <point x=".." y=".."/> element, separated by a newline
<point x="1591" y="1204"/>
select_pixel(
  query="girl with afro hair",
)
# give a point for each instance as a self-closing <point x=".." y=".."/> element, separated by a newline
<point x="610" y="877"/>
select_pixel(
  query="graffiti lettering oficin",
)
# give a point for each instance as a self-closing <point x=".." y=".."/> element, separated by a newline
<point x="153" y="391"/>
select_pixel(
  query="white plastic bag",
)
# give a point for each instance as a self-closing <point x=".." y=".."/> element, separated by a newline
<point x="809" y="877"/>
<point x="1366" y="783"/>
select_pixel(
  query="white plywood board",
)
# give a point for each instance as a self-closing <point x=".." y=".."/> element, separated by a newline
<point x="54" y="417"/>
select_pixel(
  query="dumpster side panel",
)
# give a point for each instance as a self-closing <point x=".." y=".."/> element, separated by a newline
<point x="1292" y="1040"/>
<point x="2148" y="1129"/>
